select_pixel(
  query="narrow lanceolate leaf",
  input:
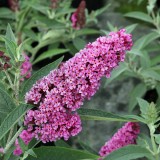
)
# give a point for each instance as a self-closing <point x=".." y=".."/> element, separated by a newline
<point x="130" y="28"/>
<point x="87" y="147"/>
<point x="50" y="53"/>
<point x="10" y="47"/>
<point x="130" y="152"/>
<point x="150" y="73"/>
<point x="61" y="143"/>
<point x="79" y="43"/>
<point x="12" y="118"/>
<point x="10" y="34"/>
<point x="143" y="104"/>
<point x="6" y="105"/>
<point x="39" y="74"/>
<point x="137" y="92"/>
<point x="94" y="114"/>
<point x="145" y="40"/>
<point x="140" y="15"/>
<point x="61" y="153"/>
<point x="117" y="72"/>
<point x="86" y="31"/>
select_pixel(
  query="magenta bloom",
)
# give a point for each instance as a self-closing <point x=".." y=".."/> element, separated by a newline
<point x="18" y="150"/>
<point x="78" y="18"/>
<point x="26" y="68"/>
<point x="58" y="95"/>
<point x="26" y="137"/>
<point x="125" y="136"/>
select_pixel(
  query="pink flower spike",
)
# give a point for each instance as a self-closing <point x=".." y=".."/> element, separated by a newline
<point x="125" y="136"/>
<point x="58" y="95"/>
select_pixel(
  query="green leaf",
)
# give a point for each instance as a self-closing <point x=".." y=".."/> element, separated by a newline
<point x="157" y="138"/>
<point x="94" y="114"/>
<point x="138" y="91"/>
<point x="130" y="152"/>
<point x="145" y="61"/>
<point x="138" y="118"/>
<point x="145" y="40"/>
<point x="61" y="153"/>
<point x="140" y="15"/>
<point x="31" y="152"/>
<point x="101" y="10"/>
<point x="6" y="13"/>
<point x="12" y="118"/>
<point x="130" y="28"/>
<point x="10" y="47"/>
<point x="29" y="33"/>
<point x="87" y="147"/>
<point x="61" y="143"/>
<point x="144" y="105"/>
<point x="79" y="43"/>
<point x="86" y="31"/>
<point x="39" y="74"/>
<point x="150" y="73"/>
<point x="155" y="60"/>
<point x="117" y="72"/>
<point x="50" y="53"/>
<point x="23" y="146"/>
<point x="6" y="104"/>
<point x="9" y="153"/>
<point x="10" y="35"/>
<point x="33" y="143"/>
<point x="71" y="48"/>
<point x="54" y="33"/>
<point x="110" y="26"/>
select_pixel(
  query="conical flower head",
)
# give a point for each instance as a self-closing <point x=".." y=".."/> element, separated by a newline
<point x="58" y="95"/>
<point x="125" y="136"/>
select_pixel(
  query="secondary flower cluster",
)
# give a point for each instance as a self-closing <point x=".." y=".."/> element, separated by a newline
<point x="26" y="68"/>
<point x="4" y="61"/>
<point x="125" y="136"/>
<point x="78" y="18"/>
<point x="58" y="95"/>
<point x="13" y="5"/>
<point x="26" y="137"/>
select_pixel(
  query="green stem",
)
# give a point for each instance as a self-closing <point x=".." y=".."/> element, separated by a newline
<point x="10" y="134"/>
<point x="12" y="140"/>
<point x="9" y="79"/>
<point x="155" y="150"/>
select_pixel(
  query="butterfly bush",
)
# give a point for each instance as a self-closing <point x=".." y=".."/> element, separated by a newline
<point x="125" y="136"/>
<point x="58" y="95"/>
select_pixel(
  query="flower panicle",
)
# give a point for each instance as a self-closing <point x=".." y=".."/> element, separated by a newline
<point x="125" y="136"/>
<point x="58" y="95"/>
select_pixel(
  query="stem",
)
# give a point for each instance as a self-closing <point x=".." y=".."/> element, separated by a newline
<point x="9" y="79"/>
<point x="13" y="140"/>
<point x="155" y="150"/>
<point x="10" y="134"/>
